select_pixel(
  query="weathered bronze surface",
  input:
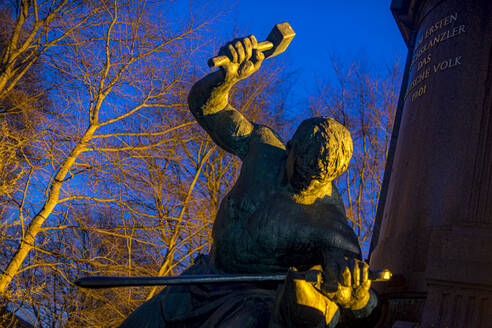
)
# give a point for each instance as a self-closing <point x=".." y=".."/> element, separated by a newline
<point x="282" y="215"/>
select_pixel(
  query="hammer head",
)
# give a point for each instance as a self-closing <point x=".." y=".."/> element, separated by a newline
<point x="280" y="36"/>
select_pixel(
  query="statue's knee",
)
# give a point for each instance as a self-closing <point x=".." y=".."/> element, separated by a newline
<point x="253" y="312"/>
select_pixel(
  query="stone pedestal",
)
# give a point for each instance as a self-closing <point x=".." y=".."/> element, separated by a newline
<point x="436" y="229"/>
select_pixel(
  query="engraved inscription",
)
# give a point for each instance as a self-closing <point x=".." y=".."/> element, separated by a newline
<point x="439" y="24"/>
<point x="440" y="37"/>
<point x="419" y="78"/>
<point x="421" y="91"/>
<point x="448" y="63"/>
<point x="423" y="62"/>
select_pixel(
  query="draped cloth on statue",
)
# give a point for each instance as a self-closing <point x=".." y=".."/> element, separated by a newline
<point x="203" y="306"/>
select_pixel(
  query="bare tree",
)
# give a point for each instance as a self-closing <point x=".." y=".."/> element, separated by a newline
<point x="109" y="78"/>
<point x="31" y="29"/>
<point x="125" y="182"/>
<point x="365" y="102"/>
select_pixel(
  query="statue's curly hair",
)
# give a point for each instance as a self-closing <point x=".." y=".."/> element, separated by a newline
<point x="322" y="148"/>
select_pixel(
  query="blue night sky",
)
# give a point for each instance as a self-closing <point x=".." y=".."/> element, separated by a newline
<point x="347" y="30"/>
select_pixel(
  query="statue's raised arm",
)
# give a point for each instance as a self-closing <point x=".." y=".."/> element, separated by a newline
<point x="209" y="98"/>
<point x="283" y="214"/>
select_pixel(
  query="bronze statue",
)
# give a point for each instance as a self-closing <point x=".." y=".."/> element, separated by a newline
<point x="282" y="215"/>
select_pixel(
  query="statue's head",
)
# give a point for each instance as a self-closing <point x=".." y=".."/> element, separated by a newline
<point x="319" y="151"/>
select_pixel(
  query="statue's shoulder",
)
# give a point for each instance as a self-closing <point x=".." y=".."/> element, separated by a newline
<point x="266" y="153"/>
<point x="264" y="135"/>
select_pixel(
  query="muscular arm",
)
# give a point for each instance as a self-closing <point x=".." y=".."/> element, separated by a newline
<point x="208" y="101"/>
<point x="208" y="98"/>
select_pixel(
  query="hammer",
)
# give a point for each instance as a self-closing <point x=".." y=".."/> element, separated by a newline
<point x="277" y="41"/>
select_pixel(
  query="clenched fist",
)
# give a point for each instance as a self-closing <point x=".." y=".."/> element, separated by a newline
<point x="244" y="58"/>
<point x="346" y="282"/>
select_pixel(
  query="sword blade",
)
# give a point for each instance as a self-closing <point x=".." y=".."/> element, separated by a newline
<point x="108" y="282"/>
<point x="310" y="276"/>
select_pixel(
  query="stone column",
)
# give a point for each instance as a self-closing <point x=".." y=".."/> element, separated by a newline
<point x="436" y="228"/>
